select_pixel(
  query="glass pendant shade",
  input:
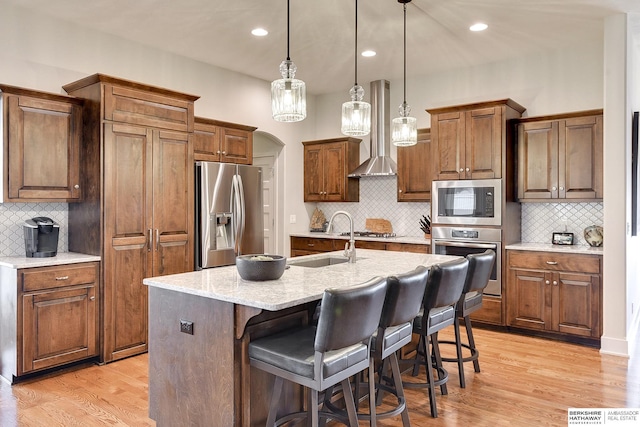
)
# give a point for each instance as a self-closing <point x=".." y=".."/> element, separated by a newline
<point x="356" y="114"/>
<point x="404" y="129"/>
<point x="288" y="95"/>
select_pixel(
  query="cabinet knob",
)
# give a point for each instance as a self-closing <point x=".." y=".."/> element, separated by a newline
<point x="399" y="191"/>
<point x="467" y="169"/>
<point x="76" y="186"/>
<point x="561" y="188"/>
<point x="92" y="298"/>
<point x="546" y="281"/>
<point x="218" y="152"/>
<point x="224" y="152"/>
<point x="555" y="283"/>
<point x="553" y="188"/>
<point x="461" y="170"/>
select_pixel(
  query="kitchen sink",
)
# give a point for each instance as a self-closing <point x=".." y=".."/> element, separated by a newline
<point x="318" y="262"/>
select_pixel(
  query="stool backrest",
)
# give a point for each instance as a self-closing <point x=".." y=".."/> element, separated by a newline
<point x="404" y="297"/>
<point x="445" y="283"/>
<point x="480" y="267"/>
<point x="349" y="316"/>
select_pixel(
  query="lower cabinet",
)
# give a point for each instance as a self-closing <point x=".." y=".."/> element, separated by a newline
<point x="555" y="293"/>
<point x="314" y="245"/>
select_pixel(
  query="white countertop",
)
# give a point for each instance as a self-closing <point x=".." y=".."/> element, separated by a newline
<point x="297" y="285"/>
<point x="60" y="259"/>
<point x="548" y="247"/>
<point x="398" y="239"/>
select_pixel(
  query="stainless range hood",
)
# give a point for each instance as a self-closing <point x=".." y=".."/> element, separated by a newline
<point x="379" y="163"/>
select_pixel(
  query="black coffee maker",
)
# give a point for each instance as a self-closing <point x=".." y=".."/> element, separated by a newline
<point x="41" y="237"/>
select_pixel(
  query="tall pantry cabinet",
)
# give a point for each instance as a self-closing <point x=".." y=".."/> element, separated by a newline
<point x="137" y="167"/>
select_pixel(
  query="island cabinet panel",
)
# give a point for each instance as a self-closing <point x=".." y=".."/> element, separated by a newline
<point x="41" y="138"/>
<point x="555" y="293"/>
<point x="57" y="316"/>
<point x="217" y="141"/>
<point x="415" y="170"/>
<point x="326" y="166"/>
<point x="560" y="157"/>
<point x="314" y="245"/>
<point x="138" y="166"/>
<point x="472" y="141"/>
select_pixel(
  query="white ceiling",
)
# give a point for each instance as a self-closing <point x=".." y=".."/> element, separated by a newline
<point x="322" y="32"/>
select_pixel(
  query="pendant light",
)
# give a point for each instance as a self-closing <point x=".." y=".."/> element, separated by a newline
<point x="356" y="114"/>
<point x="288" y="94"/>
<point x="404" y="129"/>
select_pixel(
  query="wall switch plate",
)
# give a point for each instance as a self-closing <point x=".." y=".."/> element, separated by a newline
<point x="186" y="326"/>
<point x="292" y="219"/>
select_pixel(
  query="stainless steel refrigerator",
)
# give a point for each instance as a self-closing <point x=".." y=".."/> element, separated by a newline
<point x="229" y="213"/>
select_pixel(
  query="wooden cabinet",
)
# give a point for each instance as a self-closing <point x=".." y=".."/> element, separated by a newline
<point x="41" y="134"/>
<point x="59" y="321"/>
<point x="216" y="141"/>
<point x="560" y="157"/>
<point x="326" y="166"/>
<point x="415" y="172"/>
<point x="471" y="141"/>
<point x="139" y="214"/>
<point x="315" y="245"/>
<point x="556" y="293"/>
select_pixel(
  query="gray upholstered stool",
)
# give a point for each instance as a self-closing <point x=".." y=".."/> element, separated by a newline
<point x="444" y="288"/>
<point x="480" y="268"/>
<point x="320" y="357"/>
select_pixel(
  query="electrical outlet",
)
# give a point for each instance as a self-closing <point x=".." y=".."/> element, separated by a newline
<point x="186" y="326"/>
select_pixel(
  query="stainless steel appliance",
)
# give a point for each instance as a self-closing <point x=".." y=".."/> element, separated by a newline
<point x="229" y="213"/>
<point x="463" y="241"/>
<point x="40" y="237"/>
<point x="467" y="202"/>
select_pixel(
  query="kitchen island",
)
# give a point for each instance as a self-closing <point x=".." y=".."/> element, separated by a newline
<point x="201" y="323"/>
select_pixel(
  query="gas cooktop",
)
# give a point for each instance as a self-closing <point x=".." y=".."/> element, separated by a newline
<point x="369" y="234"/>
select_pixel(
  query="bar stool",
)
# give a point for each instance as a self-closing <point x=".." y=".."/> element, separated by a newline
<point x="444" y="288"/>
<point x="478" y="274"/>
<point x="320" y="357"/>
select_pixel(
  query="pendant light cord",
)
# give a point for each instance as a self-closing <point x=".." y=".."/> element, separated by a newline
<point x="288" y="58"/>
<point x="405" y="54"/>
<point x="356" y="47"/>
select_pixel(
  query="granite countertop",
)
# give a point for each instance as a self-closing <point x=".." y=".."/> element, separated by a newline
<point x="548" y="247"/>
<point x="60" y="259"/>
<point x="419" y="240"/>
<point x="297" y="285"/>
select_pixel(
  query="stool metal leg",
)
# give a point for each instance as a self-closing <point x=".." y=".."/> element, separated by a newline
<point x="456" y="328"/>
<point x="438" y="362"/>
<point x="472" y="344"/>
<point x="397" y="380"/>
<point x="351" y="407"/>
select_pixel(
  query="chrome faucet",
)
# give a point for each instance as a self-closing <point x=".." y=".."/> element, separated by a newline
<point x="350" y="247"/>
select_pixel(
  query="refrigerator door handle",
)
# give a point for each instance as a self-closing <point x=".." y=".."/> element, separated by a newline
<point x="242" y="223"/>
<point x="236" y="210"/>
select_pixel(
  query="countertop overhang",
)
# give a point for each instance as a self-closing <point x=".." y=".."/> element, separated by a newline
<point x="398" y="239"/>
<point x="298" y="285"/>
<point x="60" y="259"/>
<point x="548" y="247"/>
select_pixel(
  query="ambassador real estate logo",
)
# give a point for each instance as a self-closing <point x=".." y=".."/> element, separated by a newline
<point x="601" y="416"/>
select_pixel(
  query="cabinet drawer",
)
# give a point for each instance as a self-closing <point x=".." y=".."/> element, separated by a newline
<point x="555" y="261"/>
<point x="127" y="105"/>
<point x="311" y="244"/>
<point x="34" y="279"/>
<point x="408" y="247"/>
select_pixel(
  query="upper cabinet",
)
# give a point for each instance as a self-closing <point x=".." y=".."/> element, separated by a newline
<point x="41" y="135"/>
<point x="470" y="141"/>
<point x="326" y="166"/>
<point x="217" y="141"/>
<point x="560" y="157"/>
<point x="415" y="170"/>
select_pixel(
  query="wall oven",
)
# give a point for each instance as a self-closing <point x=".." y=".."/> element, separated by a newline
<point x="463" y="241"/>
<point x="467" y="202"/>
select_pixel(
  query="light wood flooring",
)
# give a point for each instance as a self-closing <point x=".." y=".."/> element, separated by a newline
<point x="524" y="381"/>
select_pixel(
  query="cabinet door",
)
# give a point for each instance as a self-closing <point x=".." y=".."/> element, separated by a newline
<point x="483" y="143"/>
<point x="206" y="142"/>
<point x="580" y="158"/>
<point x="415" y="171"/>
<point x="529" y="301"/>
<point x="537" y="160"/>
<point x="237" y="146"/>
<point x="172" y="203"/>
<point x="447" y="133"/>
<point x="43" y="150"/>
<point x="58" y="327"/>
<point x="128" y="237"/>
<point x="313" y="173"/>
<point x="576" y="304"/>
<point x="335" y="172"/>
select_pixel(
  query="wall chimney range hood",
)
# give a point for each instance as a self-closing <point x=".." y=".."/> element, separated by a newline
<point x="379" y="163"/>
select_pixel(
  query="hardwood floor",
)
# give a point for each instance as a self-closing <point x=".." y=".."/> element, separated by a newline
<point x="524" y="381"/>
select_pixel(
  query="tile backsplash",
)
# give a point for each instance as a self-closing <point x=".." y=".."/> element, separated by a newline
<point x="540" y="220"/>
<point x="13" y="215"/>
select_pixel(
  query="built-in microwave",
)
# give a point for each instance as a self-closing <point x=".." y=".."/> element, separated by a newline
<point x="467" y="202"/>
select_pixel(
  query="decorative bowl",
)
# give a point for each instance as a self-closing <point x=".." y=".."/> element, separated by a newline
<point x="594" y="235"/>
<point x="260" y="267"/>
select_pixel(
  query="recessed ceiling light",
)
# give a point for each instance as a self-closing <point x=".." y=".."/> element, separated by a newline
<point x="368" y="53"/>
<point x="479" y="27"/>
<point x="260" y="32"/>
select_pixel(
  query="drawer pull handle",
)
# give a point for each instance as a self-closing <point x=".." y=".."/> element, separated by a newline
<point x="552" y="262"/>
<point x="62" y="278"/>
<point x="310" y="245"/>
<point x="92" y="298"/>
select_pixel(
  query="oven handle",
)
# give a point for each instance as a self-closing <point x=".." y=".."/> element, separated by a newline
<point x="467" y="244"/>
